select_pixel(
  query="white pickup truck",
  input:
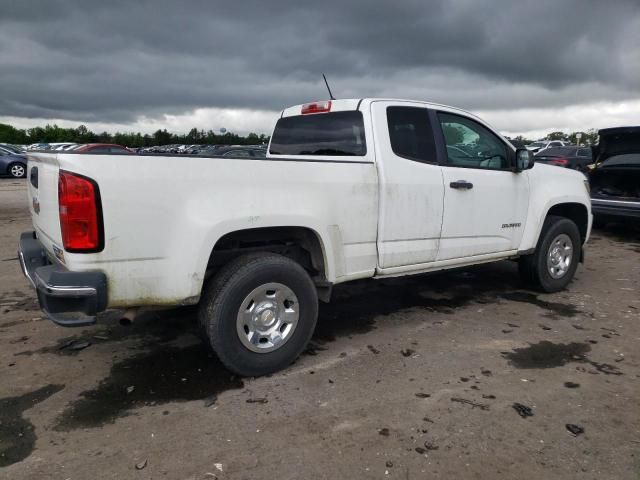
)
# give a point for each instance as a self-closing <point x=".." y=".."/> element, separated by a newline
<point x="350" y="189"/>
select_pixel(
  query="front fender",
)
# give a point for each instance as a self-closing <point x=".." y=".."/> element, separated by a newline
<point x="552" y="186"/>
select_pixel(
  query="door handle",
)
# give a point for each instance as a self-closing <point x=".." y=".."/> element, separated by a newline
<point x="461" y="184"/>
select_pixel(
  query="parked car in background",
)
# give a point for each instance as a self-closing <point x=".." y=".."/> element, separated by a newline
<point x="240" y="151"/>
<point x="13" y="164"/>
<point x="38" y="146"/>
<point x="11" y="148"/>
<point x="193" y="149"/>
<point x="102" y="148"/>
<point x="7" y="150"/>
<point x="57" y="146"/>
<point x="204" y="149"/>
<point x="615" y="179"/>
<point x="569" y="157"/>
<point x="544" y="144"/>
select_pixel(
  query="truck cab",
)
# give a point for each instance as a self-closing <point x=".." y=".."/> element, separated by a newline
<point x="450" y="188"/>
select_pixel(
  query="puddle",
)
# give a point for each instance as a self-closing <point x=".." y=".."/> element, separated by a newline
<point x="547" y="354"/>
<point x="357" y="312"/>
<point x="550" y="355"/>
<point x="354" y="309"/>
<point x="17" y="434"/>
<point x="149" y="329"/>
<point x="355" y="306"/>
<point x="555" y="309"/>
<point x="167" y="374"/>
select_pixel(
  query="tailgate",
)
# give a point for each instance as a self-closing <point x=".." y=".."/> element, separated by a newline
<point x="42" y="185"/>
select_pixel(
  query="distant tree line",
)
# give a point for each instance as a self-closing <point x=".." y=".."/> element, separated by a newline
<point x="81" y="134"/>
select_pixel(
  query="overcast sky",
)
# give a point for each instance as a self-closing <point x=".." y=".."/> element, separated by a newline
<point x="527" y="67"/>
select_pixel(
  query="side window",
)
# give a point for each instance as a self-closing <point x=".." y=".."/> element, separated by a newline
<point x="411" y="134"/>
<point x="470" y="144"/>
<point x="98" y="150"/>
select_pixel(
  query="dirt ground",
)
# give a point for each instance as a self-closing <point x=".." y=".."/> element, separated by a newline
<point x="407" y="378"/>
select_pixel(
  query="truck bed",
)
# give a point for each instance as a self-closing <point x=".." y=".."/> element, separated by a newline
<point x="163" y="214"/>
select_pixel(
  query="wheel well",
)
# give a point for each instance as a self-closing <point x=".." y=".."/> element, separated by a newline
<point x="298" y="243"/>
<point x="573" y="211"/>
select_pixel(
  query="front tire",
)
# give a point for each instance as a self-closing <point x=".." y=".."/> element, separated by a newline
<point x="17" y="170"/>
<point x="553" y="264"/>
<point x="259" y="313"/>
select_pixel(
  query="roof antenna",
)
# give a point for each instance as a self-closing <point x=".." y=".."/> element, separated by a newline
<point x="327" y="84"/>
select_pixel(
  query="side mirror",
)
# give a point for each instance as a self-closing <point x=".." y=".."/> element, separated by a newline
<point x="524" y="160"/>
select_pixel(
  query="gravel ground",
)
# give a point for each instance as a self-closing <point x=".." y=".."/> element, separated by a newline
<point x="418" y="377"/>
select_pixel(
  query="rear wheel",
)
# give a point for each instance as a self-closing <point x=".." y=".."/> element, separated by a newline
<point x="259" y="313"/>
<point x="17" y="170"/>
<point x="553" y="264"/>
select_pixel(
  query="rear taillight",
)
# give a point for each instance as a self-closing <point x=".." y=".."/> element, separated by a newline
<point x="316" y="107"/>
<point x="80" y="213"/>
<point x="560" y="161"/>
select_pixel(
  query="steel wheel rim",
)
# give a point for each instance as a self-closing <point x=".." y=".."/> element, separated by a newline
<point x="267" y="317"/>
<point x="17" y="171"/>
<point x="559" y="256"/>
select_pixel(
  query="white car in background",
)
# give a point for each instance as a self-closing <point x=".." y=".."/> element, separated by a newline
<point x="62" y="146"/>
<point x="38" y="146"/>
<point x="540" y="145"/>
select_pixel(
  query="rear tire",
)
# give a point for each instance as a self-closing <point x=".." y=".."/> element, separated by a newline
<point x="17" y="170"/>
<point x="553" y="264"/>
<point x="259" y="313"/>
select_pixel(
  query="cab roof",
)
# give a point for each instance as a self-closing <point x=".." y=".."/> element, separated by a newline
<point x="346" y="104"/>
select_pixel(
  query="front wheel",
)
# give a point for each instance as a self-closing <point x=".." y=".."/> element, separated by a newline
<point x="18" y="170"/>
<point x="259" y="313"/>
<point x="553" y="264"/>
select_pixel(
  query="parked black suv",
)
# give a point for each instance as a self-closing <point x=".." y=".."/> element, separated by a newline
<point x="615" y="180"/>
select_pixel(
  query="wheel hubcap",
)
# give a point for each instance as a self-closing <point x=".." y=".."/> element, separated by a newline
<point x="560" y="256"/>
<point x="17" y="170"/>
<point x="267" y="317"/>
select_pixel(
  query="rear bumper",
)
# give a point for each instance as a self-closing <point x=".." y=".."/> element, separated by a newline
<point x="615" y="208"/>
<point x="70" y="299"/>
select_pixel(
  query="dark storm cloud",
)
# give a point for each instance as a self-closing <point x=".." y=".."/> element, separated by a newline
<point x="116" y="60"/>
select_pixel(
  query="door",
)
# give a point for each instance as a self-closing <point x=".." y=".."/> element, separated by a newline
<point x="410" y="184"/>
<point x="485" y="201"/>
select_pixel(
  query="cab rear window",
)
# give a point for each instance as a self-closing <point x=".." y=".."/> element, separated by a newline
<point x="330" y="134"/>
